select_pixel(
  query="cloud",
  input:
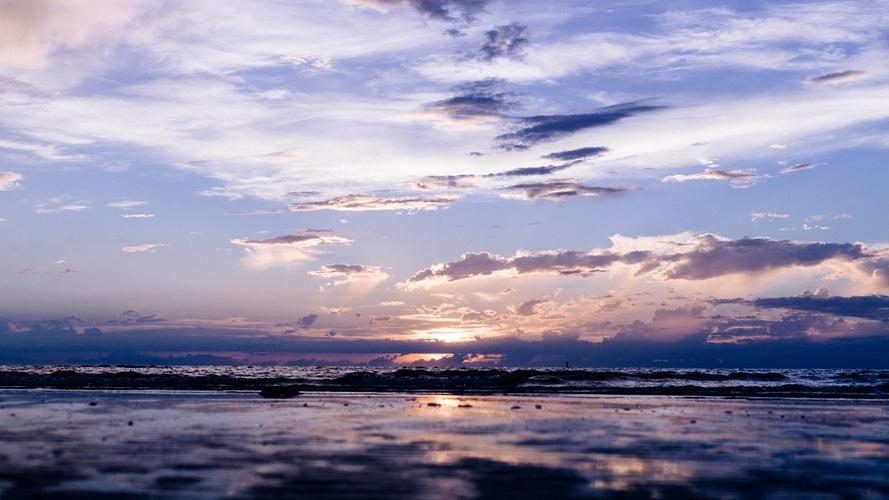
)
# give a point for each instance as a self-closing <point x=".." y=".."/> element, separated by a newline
<point x="755" y="216"/>
<point x="478" y="100"/>
<point x="697" y="258"/>
<point x="838" y="77"/>
<point x="463" y="11"/>
<point x="531" y="171"/>
<point x="463" y="181"/>
<point x="137" y="216"/>
<point x="666" y="325"/>
<point x="714" y="256"/>
<point x="504" y="41"/>
<point x="432" y="182"/>
<point x="10" y="180"/>
<point x="577" y="154"/>
<point x="126" y="204"/>
<point x="307" y="320"/>
<point x="558" y="190"/>
<point x="134" y="317"/>
<point x="32" y="31"/>
<point x="287" y="250"/>
<point x="739" y="179"/>
<point x="798" y="167"/>
<point x="316" y="63"/>
<point x="875" y="307"/>
<point x="485" y="264"/>
<point x="358" y="203"/>
<point x="351" y="274"/>
<point x="542" y="128"/>
<point x="62" y="203"/>
<point x="529" y="307"/>
<point x="143" y="248"/>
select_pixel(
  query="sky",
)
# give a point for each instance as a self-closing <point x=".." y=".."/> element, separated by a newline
<point x="482" y="181"/>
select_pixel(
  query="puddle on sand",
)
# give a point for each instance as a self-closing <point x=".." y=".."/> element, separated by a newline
<point x="54" y="443"/>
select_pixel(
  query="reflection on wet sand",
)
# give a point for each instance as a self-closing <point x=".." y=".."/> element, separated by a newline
<point x="55" y="443"/>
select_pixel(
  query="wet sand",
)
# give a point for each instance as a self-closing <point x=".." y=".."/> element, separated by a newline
<point x="114" y="444"/>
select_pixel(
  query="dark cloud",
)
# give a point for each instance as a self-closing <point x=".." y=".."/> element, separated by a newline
<point x="708" y="256"/>
<point x="798" y="167"/>
<point x="359" y="203"/>
<point x="577" y="154"/>
<point x="484" y="264"/>
<point x="838" y="77"/>
<point x="461" y="181"/>
<point x="310" y="235"/>
<point x="874" y="307"/>
<point x="57" y="341"/>
<point x="474" y="100"/>
<point x="307" y="320"/>
<point x="542" y="128"/>
<point x="504" y="41"/>
<point x="531" y="171"/>
<point x="462" y="11"/>
<point x="714" y="256"/>
<point x="559" y="190"/>
<point x="303" y="194"/>
<point x="471" y="264"/>
<point x="344" y="268"/>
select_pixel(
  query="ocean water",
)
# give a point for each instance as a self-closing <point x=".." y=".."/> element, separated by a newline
<point x="629" y="381"/>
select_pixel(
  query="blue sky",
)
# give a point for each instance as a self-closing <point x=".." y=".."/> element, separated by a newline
<point x="445" y="170"/>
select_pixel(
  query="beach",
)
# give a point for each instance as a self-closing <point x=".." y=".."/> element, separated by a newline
<point x="211" y="444"/>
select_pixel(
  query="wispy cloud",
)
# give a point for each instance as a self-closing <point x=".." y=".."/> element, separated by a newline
<point x="143" y="247"/>
<point x="360" y="203"/>
<point x="838" y="78"/>
<point x="798" y="168"/>
<point x="62" y="203"/>
<point x="558" y="190"/>
<point x="535" y="129"/>
<point x="126" y="204"/>
<point x="577" y="154"/>
<point x="739" y="179"/>
<point x="755" y="216"/>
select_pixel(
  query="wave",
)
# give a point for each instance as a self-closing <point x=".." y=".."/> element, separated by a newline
<point x="288" y="381"/>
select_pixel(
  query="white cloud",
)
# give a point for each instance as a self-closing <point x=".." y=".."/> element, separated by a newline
<point x="62" y="203"/>
<point x="143" y="248"/>
<point x="287" y="250"/>
<point x="737" y="178"/>
<point x="10" y="180"/>
<point x="126" y="204"/>
<point x="358" y="277"/>
<point x="755" y="216"/>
